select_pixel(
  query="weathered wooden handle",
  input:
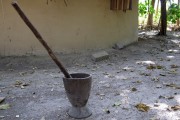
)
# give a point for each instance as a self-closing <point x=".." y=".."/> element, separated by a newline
<point x="41" y="40"/>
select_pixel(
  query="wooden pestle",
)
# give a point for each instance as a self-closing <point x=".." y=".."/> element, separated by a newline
<point x="41" y="40"/>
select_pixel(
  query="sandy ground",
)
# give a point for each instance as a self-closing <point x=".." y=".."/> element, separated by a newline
<point x="146" y="72"/>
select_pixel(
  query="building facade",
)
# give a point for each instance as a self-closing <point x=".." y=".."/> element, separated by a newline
<point x="66" y="25"/>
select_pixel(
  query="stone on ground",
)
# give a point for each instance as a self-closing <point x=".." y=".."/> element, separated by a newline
<point x="118" y="46"/>
<point x="99" y="56"/>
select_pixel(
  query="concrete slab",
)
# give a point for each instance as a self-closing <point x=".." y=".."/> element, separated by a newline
<point x="99" y="56"/>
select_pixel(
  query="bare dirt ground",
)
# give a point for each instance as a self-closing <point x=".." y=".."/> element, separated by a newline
<point x="147" y="72"/>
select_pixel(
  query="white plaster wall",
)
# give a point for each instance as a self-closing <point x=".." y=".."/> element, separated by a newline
<point x="82" y="25"/>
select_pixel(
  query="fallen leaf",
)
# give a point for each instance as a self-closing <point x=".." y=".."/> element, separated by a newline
<point x="158" y="86"/>
<point x="108" y="75"/>
<point x="102" y="82"/>
<point x="111" y="76"/>
<point x="113" y="119"/>
<point x="25" y="84"/>
<point x="124" y="108"/>
<point x="34" y="68"/>
<point x="4" y="106"/>
<point x="83" y="65"/>
<point x="146" y="62"/>
<point x="162" y="50"/>
<point x="150" y="67"/>
<point x="2" y="99"/>
<point x="116" y="93"/>
<point x="128" y="69"/>
<point x="173" y="85"/>
<point x="139" y="81"/>
<point x="174" y="66"/>
<point x="124" y="78"/>
<point x="107" y="85"/>
<point x="22" y="73"/>
<point x="156" y="105"/>
<point x="166" y="97"/>
<point x="110" y="64"/>
<point x="77" y="64"/>
<point x="176" y="107"/>
<point x="145" y="74"/>
<point x="168" y="59"/>
<point x="155" y="79"/>
<point x="159" y="67"/>
<point x="134" y="89"/>
<point x="174" y="71"/>
<point x="56" y="76"/>
<point x="93" y="69"/>
<point x="107" y="111"/>
<point x="142" y="107"/>
<point x="161" y="97"/>
<point x="177" y="87"/>
<point x="18" y="83"/>
<point x="95" y="66"/>
<point x="22" y="87"/>
<point x="169" y="108"/>
<point x="100" y="94"/>
<point x="170" y="97"/>
<point x="116" y="104"/>
<point x="162" y="74"/>
<point x="170" y="51"/>
<point x="154" y="118"/>
<point x="21" y="84"/>
<point x="105" y="73"/>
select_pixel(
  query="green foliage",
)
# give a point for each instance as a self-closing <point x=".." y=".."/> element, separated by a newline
<point x="145" y="8"/>
<point x="173" y="13"/>
<point x="142" y="9"/>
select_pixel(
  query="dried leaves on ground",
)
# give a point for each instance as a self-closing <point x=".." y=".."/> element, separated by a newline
<point x="151" y="66"/>
<point x="174" y="66"/>
<point x="2" y="99"/>
<point x="107" y="111"/>
<point x="174" y="108"/>
<point x="21" y="84"/>
<point x="175" y="86"/>
<point x="142" y="107"/>
<point x="4" y="106"/>
<point x="116" y="104"/>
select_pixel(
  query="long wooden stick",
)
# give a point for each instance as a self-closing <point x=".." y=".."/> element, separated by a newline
<point x="41" y="40"/>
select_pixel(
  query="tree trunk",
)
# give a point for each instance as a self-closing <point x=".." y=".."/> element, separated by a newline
<point x="157" y="9"/>
<point x="150" y="16"/>
<point x="163" y="18"/>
